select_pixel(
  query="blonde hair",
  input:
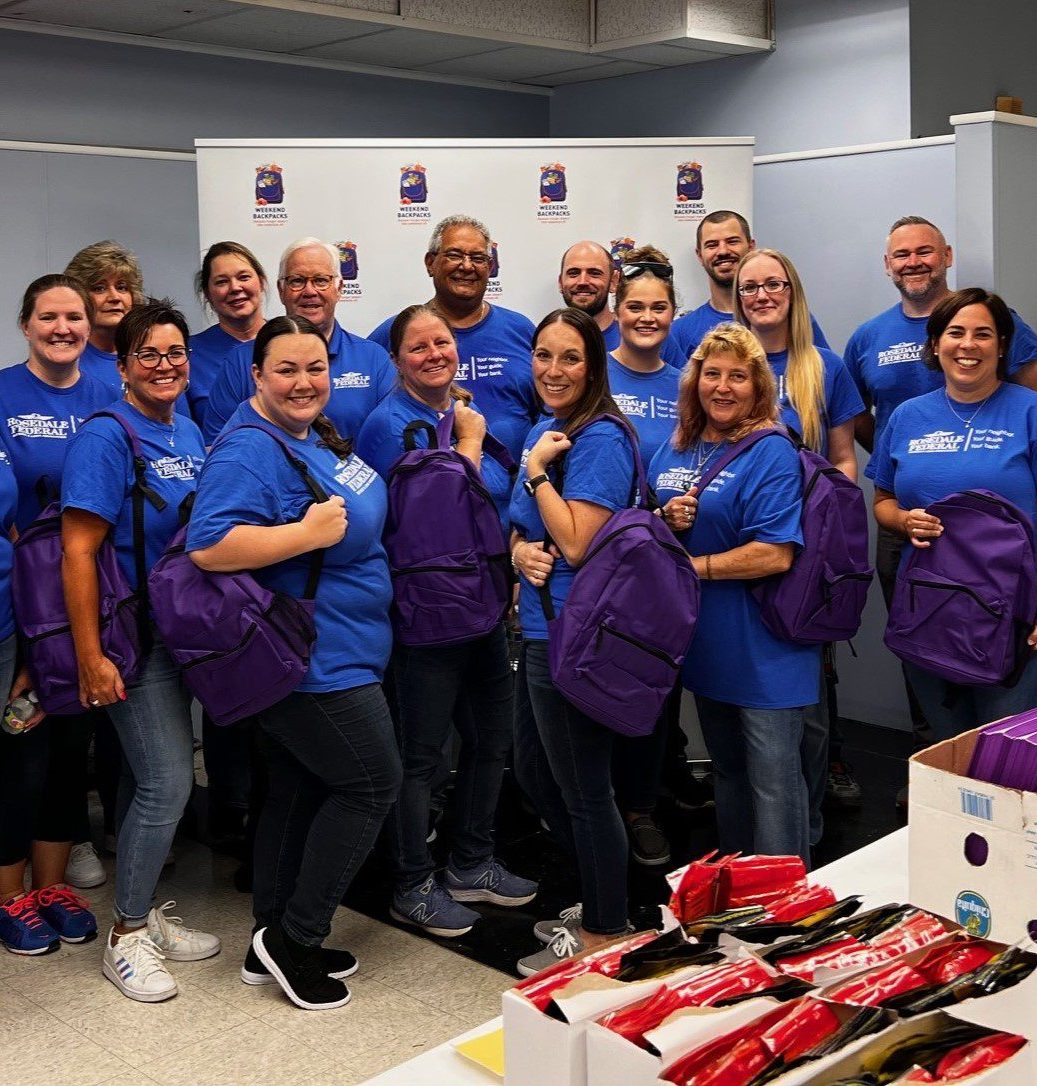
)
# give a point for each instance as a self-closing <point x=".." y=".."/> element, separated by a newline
<point x="805" y="370"/>
<point x="728" y="339"/>
<point x="96" y="262"/>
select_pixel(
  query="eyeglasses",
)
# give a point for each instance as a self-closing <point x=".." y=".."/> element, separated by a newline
<point x="455" y="256"/>
<point x="296" y="283"/>
<point x="768" y="286"/>
<point x="149" y="358"/>
<point x="659" y="270"/>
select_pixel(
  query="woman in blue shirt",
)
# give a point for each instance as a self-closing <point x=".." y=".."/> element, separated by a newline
<point x="152" y="713"/>
<point x="44" y="403"/>
<point x="571" y="378"/>
<point x="468" y="684"/>
<point x="232" y="284"/>
<point x="750" y="687"/>
<point x="979" y="430"/>
<point x="334" y="769"/>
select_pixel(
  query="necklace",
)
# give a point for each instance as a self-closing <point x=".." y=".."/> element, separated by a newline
<point x="967" y="423"/>
<point x="704" y="452"/>
<point x="171" y="438"/>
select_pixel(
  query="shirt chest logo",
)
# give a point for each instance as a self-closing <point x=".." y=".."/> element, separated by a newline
<point x="351" y="380"/>
<point x="174" y="467"/>
<point x="900" y="352"/>
<point x="33" y="425"/>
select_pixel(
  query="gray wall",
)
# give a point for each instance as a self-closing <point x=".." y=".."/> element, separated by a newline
<point x="964" y="54"/>
<point x="839" y="76"/>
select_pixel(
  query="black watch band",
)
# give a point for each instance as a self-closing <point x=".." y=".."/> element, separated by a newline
<point x="532" y="484"/>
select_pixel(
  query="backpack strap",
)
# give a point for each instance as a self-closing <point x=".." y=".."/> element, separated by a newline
<point x="441" y="435"/>
<point x="734" y="451"/>
<point x="315" y="489"/>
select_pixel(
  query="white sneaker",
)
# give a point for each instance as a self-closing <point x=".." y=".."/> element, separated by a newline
<point x="179" y="943"/>
<point x="134" y="966"/>
<point x="84" y="869"/>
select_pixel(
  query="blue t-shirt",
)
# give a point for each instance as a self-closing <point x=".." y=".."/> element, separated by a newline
<point x="612" y="337"/>
<point x="248" y="480"/>
<point x="599" y="468"/>
<point x="380" y="442"/>
<point x="733" y="657"/>
<point x="689" y="330"/>
<point x="884" y="357"/>
<point x="842" y="400"/>
<point x="649" y="401"/>
<point x="496" y="366"/>
<point x="926" y="451"/>
<point x="99" y="476"/>
<point x="8" y="508"/>
<point x="361" y="376"/>
<point x="103" y="367"/>
<point x="36" y="422"/>
<point x="209" y="351"/>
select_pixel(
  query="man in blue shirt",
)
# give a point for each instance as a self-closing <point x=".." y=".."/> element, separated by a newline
<point x="494" y="344"/>
<point x="308" y="282"/>
<point x="586" y="280"/>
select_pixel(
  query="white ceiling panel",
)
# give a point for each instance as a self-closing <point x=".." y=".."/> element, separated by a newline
<point x="605" y="70"/>
<point x="119" y="16"/>
<point x="271" y="30"/>
<point x="516" y="62"/>
<point x="657" y="54"/>
<point x="403" y="48"/>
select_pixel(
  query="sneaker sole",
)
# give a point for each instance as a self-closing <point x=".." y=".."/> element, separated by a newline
<point x="50" y="948"/>
<point x="443" y="933"/>
<point x="88" y="938"/>
<point x="650" y="861"/>
<point x="268" y="961"/>
<point x="87" y="883"/>
<point x="528" y="971"/>
<point x="140" y="997"/>
<point x="256" y="979"/>
<point x="190" y="956"/>
<point x="489" y="897"/>
<point x="681" y="805"/>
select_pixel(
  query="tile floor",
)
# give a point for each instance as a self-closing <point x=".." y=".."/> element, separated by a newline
<point x="63" y="1024"/>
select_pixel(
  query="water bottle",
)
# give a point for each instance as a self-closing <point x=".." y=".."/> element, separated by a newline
<point x="19" y="712"/>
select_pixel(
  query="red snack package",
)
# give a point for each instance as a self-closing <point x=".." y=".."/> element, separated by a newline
<point x="695" y="894"/>
<point x="799" y="903"/>
<point x="803" y="965"/>
<point x="807" y="1024"/>
<point x="972" y="1058"/>
<point x="759" y="880"/>
<point x="943" y="963"/>
<point x="913" y="933"/>
<point x="873" y="988"/>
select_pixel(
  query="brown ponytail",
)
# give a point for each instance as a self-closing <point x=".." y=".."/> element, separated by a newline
<point x="330" y="438"/>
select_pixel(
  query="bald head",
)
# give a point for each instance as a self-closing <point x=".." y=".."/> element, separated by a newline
<point x="586" y="279"/>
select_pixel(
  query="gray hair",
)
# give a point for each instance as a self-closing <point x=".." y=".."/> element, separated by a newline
<point x="436" y="241"/>
<point x="309" y="243"/>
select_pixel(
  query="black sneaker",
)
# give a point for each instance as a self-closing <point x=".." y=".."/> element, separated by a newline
<point x="690" y="793"/>
<point x="299" y="970"/>
<point x="648" y="844"/>
<point x="338" y="964"/>
<point x="841" y="790"/>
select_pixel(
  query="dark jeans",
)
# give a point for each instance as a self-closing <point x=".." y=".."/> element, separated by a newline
<point x="334" y="772"/>
<point x="107" y="774"/>
<point x="578" y="751"/>
<point x="469" y="686"/>
<point x="227" y="752"/>
<point x="888" y="548"/>
<point x="637" y="761"/>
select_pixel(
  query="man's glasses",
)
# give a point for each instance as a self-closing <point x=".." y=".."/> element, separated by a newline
<point x="455" y="256"/>
<point x="296" y="283"/>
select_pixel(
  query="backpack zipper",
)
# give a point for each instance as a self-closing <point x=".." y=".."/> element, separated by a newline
<point x="605" y="628"/>
<point x="953" y="588"/>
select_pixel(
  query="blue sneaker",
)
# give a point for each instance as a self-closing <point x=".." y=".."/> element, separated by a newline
<point x="23" y="930"/>
<point x="67" y="913"/>
<point x="491" y="882"/>
<point x="432" y="909"/>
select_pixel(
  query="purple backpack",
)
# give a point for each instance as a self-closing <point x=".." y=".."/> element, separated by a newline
<point x="964" y="606"/>
<point x="448" y="554"/>
<point x="617" y="646"/>
<point x="39" y="598"/>
<point x="241" y="647"/>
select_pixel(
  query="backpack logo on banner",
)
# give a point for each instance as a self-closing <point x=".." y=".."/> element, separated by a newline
<point x="349" y="269"/>
<point x="493" y="285"/>
<point x="963" y="607"/>
<point x="269" y="209"/>
<point x="554" y="193"/>
<point x="688" y="204"/>
<point x="448" y="555"/>
<point x="414" y="209"/>
<point x="616" y="648"/>
<point x="618" y="250"/>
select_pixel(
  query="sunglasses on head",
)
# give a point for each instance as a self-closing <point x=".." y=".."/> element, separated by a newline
<point x="659" y="270"/>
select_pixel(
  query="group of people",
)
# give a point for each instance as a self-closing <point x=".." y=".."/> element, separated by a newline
<point x="361" y="741"/>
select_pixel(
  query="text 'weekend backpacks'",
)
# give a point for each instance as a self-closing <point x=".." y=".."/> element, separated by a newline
<point x="448" y="554"/>
<point x="616" y="649"/>
<point x="963" y="607"/>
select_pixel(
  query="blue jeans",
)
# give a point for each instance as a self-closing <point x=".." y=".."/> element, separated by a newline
<point x="469" y="685"/>
<point x="814" y="750"/>
<point x="579" y="753"/>
<point x="761" y="795"/>
<point x="951" y="710"/>
<point x="334" y="772"/>
<point x="154" y="728"/>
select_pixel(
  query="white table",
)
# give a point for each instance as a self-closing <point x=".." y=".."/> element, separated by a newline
<point x="878" y="872"/>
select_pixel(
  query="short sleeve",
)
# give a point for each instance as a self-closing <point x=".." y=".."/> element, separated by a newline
<point x="819" y="337"/>
<point x="1024" y="345"/>
<point x="881" y="470"/>
<point x="852" y="361"/>
<point x="773" y="496"/>
<point x="96" y="477"/>
<point x="228" y="392"/>
<point x="844" y="401"/>
<point x="229" y="493"/>
<point x="600" y="468"/>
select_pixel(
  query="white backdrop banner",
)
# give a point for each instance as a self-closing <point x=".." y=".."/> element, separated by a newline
<point x="378" y="200"/>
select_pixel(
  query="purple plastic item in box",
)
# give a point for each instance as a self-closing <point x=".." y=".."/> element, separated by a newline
<point x="1006" y="752"/>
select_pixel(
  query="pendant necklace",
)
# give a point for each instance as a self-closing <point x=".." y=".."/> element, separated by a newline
<point x="967" y="423"/>
<point x="703" y="454"/>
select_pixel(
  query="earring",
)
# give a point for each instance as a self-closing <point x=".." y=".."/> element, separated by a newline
<point x="125" y="388"/>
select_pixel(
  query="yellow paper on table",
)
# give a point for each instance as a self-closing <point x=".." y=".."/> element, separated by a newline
<point x="487" y="1050"/>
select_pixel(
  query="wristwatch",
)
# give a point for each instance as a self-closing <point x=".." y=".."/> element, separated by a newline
<point x="532" y="484"/>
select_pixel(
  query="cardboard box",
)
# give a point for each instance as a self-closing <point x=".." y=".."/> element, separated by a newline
<point x="972" y="846"/>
